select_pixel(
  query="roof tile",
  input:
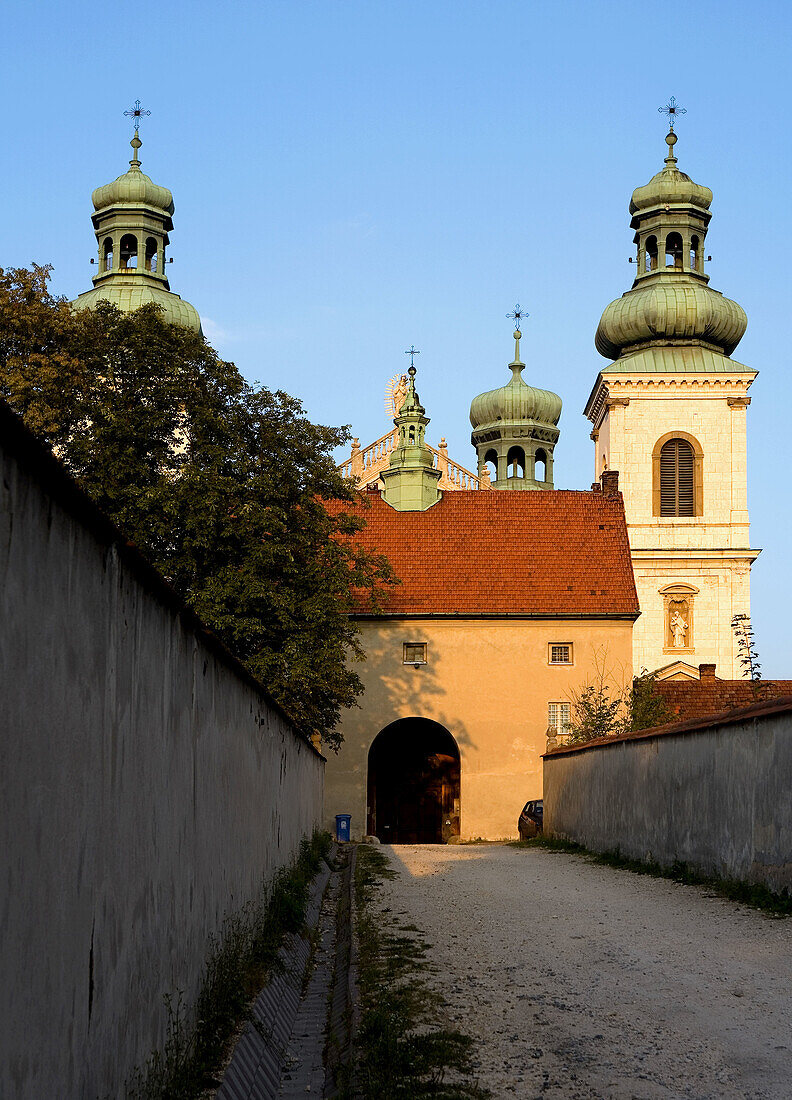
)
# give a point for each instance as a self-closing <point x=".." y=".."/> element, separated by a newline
<point x="546" y="552"/>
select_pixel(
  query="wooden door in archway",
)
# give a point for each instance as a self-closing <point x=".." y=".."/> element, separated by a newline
<point x="414" y="784"/>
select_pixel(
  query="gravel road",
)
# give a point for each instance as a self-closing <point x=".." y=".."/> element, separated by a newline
<point x="578" y="980"/>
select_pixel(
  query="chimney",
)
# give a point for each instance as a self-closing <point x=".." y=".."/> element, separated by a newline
<point x="706" y="672"/>
<point x="610" y="482"/>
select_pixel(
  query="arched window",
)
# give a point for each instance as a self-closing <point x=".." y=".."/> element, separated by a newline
<point x="540" y="465"/>
<point x="515" y="462"/>
<point x="412" y="434"/>
<point x="674" y="251"/>
<point x="677" y="479"/>
<point x="491" y="463"/>
<point x="129" y="252"/>
<point x="107" y="254"/>
<point x="694" y="253"/>
<point x="651" y="253"/>
<point x="151" y="254"/>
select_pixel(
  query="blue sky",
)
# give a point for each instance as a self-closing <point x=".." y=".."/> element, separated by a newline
<point x="353" y="178"/>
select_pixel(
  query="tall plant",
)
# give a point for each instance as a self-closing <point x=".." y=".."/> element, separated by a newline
<point x="748" y="655"/>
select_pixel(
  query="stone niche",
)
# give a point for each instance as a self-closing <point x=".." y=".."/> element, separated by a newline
<point x="678" y="610"/>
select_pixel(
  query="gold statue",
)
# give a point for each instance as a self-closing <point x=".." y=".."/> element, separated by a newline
<point x="395" y="393"/>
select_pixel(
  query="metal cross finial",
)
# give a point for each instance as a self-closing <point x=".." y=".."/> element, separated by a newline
<point x="672" y="109"/>
<point x="516" y="315"/>
<point x="137" y="112"/>
<point x="412" y="354"/>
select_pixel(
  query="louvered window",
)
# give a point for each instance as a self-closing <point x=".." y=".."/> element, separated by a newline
<point x="677" y="479"/>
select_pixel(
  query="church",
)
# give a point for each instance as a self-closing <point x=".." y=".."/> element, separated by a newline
<point x="514" y="595"/>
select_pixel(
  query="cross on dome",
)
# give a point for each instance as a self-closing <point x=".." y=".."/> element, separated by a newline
<point x="412" y="354"/>
<point x="672" y="109"/>
<point x="137" y="112"/>
<point x="517" y="315"/>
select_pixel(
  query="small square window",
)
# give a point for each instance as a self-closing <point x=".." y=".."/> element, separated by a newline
<point x="560" y="653"/>
<point x="559" y="717"/>
<point x="414" y="653"/>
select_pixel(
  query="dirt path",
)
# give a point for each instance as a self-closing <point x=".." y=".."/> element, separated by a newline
<point x="582" y="981"/>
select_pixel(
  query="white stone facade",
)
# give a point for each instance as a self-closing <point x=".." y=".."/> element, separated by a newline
<point x="699" y="565"/>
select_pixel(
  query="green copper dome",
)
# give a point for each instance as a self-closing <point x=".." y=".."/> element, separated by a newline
<point x="515" y="430"/>
<point x="133" y="188"/>
<point x="683" y="310"/>
<point x="516" y="401"/>
<point x="128" y="296"/>
<point x="136" y="188"/>
<point x="670" y="186"/>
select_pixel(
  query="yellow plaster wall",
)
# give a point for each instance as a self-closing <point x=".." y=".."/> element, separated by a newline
<point x="488" y="682"/>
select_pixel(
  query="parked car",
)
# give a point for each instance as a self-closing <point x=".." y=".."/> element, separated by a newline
<point x="531" y="819"/>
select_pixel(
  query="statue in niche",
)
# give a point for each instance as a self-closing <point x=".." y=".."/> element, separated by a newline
<point x="678" y="624"/>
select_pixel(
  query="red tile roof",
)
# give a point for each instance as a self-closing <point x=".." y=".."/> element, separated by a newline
<point x="550" y="553"/>
<point x="693" y="699"/>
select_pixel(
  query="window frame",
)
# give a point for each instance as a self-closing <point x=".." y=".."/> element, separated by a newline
<point x="422" y="646"/>
<point x="569" y="646"/>
<point x="558" y="726"/>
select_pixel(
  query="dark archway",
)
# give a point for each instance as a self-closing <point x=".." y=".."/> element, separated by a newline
<point x="413" y="783"/>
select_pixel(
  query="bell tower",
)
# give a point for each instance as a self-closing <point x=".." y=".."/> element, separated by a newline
<point x="669" y="413"/>
<point x="132" y="219"/>
<point x="515" y="428"/>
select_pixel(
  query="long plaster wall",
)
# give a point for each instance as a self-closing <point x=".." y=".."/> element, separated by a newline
<point x="148" y="787"/>
<point x="717" y="797"/>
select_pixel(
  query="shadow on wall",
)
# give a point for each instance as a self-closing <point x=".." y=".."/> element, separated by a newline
<point x="415" y="690"/>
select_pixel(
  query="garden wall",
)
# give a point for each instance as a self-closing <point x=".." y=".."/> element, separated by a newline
<point x="148" y="787"/>
<point x="715" y="793"/>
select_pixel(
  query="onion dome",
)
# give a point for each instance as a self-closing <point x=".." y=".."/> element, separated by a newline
<point x="129" y="296"/>
<point x="134" y="187"/>
<point x="670" y="302"/>
<point x="684" y="311"/>
<point x="670" y="186"/>
<point x="515" y="430"/>
<point x="515" y="401"/>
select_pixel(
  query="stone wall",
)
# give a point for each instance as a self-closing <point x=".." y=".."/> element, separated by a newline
<point x="716" y="794"/>
<point x="148" y="787"/>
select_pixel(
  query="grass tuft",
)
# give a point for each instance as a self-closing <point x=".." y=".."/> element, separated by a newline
<point x="401" y="1050"/>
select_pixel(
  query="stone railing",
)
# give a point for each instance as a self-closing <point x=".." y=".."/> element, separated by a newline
<point x="370" y="459"/>
<point x="363" y="463"/>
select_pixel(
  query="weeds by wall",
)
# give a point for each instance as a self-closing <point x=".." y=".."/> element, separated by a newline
<point x="239" y="960"/>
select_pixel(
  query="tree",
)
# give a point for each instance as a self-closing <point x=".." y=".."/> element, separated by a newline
<point x="222" y="485"/>
<point x="748" y="655"/>
<point x="647" y="706"/>
<point x="604" y="707"/>
<point x="599" y="708"/>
